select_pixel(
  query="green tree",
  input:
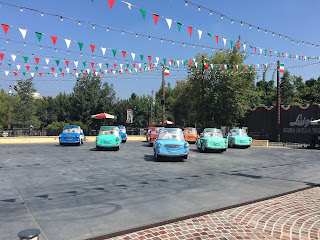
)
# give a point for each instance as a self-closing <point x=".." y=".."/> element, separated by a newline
<point x="267" y="91"/>
<point x="286" y="89"/>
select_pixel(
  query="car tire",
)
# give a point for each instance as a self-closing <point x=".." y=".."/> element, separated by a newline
<point x="150" y="144"/>
<point x="123" y="141"/>
<point x="60" y="143"/>
<point x="159" y="158"/>
<point x="185" y="157"/>
<point x="98" y="148"/>
<point x="117" y="148"/>
<point x="203" y="148"/>
<point x="79" y="143"/>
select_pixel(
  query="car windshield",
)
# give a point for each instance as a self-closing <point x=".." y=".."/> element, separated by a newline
<point x="109" y="132"/>
<point x="212" y="134"/>
<point x="122" y="129"/>
<point x="171" y="133"/>
<point x="71" y="129"/>
<point x="239" y="133"/>
<point x="192" y="131"/>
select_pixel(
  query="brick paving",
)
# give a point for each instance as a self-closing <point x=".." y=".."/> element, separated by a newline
<point x="294" y="216"/>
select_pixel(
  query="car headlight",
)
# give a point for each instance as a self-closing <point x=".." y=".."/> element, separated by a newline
<point x="77" y="136"/>
<point x="159" y="144"/>
<point x="207" y="140"/>
<point x="186" y="144"/>
<point x="117" y="139"/>
<point x="97" y="138"/>
<point x="250" y="139"/>
<point x="60" y="136"/>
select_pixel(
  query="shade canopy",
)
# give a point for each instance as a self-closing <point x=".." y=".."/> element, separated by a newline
<point x="103" y="116"/>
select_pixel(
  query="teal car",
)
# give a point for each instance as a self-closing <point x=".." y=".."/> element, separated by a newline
<point x="108" y="138"/>
<point x="239" y="138"/>
<point x="212" y="139"/>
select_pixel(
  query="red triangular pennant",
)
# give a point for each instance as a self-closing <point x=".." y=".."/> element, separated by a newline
<point x="126" y="69"/>
<point x="171" y="61"/>
<point x="92" y="64"/>
<point x="67" y="63"/>
<point x="1" y="56"/>
<point x="102" y="73"/>
<point x="37" y="60"/>
<point x="244" y="66"/>
<point x="52" y="69"/>
<point x="206" y="65"/>
<point x="62" y="74"/>
<point x="92" y="47"/>
<point x="83" y="73"/>
<point x="15" y="73"/>
<point x="40" y="74"/>
<point x="5" y="28"/>
<point x="217" y="38"/>
<point x="270" y="53"/>
<point x="115" y="65"/>
<point x="111" y="70"/>
<point x="190" y="30"/>
<point x="150" y="64"/>
<point x="94" y="71"/>
<point x="75" y="70"/>
<point x="54" y="40"/>
<point x="140" y="69"/>
<point x="234" y="66"/>
<point x="149" y="57"/>
<point x="124" y="54"/>
<point x="134" y="65"/>
<point x="156" y="17"/>
<point x="28" y="67"/>
<point x="238" y="45"/>
<point x="111" y="2"/>
<point x="190" y="63"/>
<point x="255" y="49"/>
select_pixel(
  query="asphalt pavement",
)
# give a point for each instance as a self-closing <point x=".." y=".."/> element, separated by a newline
<point x="77" y="192"/>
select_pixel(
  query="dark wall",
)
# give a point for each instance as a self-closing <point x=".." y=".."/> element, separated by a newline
<point x="295" y="124"/>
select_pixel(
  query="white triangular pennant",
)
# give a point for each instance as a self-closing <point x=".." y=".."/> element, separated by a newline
<point x="260" y="50"/>
<point x="178" y="62"/>
<point x="6" y="72"/>
<point x="133" y="55"/>
<point x="23" y="32"/>
<point x="77" y="74"/>
<point x="18" y="67"/>
<point x="237" y="66"/>
<point x="169" y="21"/>
<point x="224" y="41"/>
<point x="244" y="47"/>
<point x="88" y="70"/>
<point x="68" y="42"/>
<point x="136" y="69"/>
<point x="103" y="50"/>
<point x="76" y="63"/>
<point x="13" y="57"/>
<point x="139" y="65"/>
<point x="100" y="65"/>
<point x="106" y="71"/>
<point x="32" y="74"/>
<point x="157" y="59"/>
<point x="258" y="65"/>
<point x="170" y="63"/>
<point x="45" y="67"/>
<point x="47" y="60"/>
<point x="55" y="74"/>
<point x="121" y="65"/>
<point x="156" y="64"/>
<point x="96" y="73"/>
<point x="196" y="64"/>
<point x="211" y="66"/>
<point x="225" y="66"/>
<point x="200" y="34"/>
<point x="68" y="70"/>
<point x="128" y="4"/>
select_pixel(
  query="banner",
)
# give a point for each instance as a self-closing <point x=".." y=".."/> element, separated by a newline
<point x="129" y="116"/>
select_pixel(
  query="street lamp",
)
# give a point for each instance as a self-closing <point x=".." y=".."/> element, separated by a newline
<point x="9" y="109"/>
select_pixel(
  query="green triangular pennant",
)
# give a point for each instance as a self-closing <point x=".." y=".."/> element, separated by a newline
<point x="164" y="60"/>
<point x="24" y="73"/>
<point x="57" y="62"/>
<point x="143" y="12"/>
<point x="114" y="52"/>
<point x="90" y="73"/>
<point x="265" y="52"/>
<point x="107" y="64"/>
<point x="209" y="34"/>
<point x="80" y="45"/>
<point x="39" y="36"/>
<point x="231" y="42"/>
<point x="60" y="69"/>
<point x="25" y="59"/>
<point x="141" y="56"/>
<point x="9" y="64"/>
<point x="81" y="70"/>
<point x="84" y="64"/>
<point x="36" y="67"/>
<point x="179" y="26"/>
<point x="250" y="46"/>
<point x="127" y="65"/>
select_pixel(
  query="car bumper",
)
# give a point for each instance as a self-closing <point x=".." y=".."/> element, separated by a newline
<point x="242" y="144"/>
<point x="216" y="148"/>
<point x="107" y="146"/>
<point x="70" y="141"/>
<point x="172" y="155"/>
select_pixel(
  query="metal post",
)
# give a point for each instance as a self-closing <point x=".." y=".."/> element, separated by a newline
<point x="278" y="101"/>
<point x="9" y="110"/>
<point x="163" y="96"/>
<point x="202" y="93"/>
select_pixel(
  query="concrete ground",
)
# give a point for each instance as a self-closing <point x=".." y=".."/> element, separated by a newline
<point x="77" y="192"/>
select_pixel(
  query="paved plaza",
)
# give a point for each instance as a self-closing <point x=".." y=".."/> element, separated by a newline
<point x="76" y="192"/>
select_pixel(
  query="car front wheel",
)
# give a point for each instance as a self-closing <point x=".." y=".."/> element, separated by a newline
<point x="203" y="148"/>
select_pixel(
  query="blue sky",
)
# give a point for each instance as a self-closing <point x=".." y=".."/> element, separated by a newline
<point x="297" y="19"/>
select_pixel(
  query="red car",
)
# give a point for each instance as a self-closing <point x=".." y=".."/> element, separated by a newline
<point x="148" y="133"/>
<point x="153" y="135"/>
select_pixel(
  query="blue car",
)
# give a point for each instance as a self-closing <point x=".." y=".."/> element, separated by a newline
<point x="123" y="133"/>
<point x="71" y="134"/>
<point x="170" y="144"/>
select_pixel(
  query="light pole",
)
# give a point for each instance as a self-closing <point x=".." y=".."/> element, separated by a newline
<point x="9" y="109"/>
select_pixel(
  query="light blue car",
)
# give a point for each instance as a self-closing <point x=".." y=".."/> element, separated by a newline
<point x="123" y="133"/>
<point x="71" y="134"/>
<point x="170" y="144"/>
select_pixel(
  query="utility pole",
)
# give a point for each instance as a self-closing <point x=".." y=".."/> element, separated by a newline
<point x="202" y="92"/>
<point x="278" y="101"/>
<point x="9" y="109"/>
<point x="163" y="96"/>
<point x="151" y="102"/>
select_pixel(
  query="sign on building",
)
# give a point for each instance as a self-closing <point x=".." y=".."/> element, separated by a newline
<point x="129" y="116"/>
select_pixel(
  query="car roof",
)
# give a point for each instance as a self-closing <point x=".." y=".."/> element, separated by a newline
<point x="189" y="128"/>
<point x="121" y="127"/>
<point x="71" y="126"/>
<point x="211" y="129"/>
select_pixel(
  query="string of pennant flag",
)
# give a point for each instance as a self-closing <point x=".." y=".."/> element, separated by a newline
<point x="262" y="51"/>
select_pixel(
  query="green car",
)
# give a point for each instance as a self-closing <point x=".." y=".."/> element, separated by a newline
<point x="212" y="139"/>
<point x="108" y="138"/>
<point x="239" y="138"/>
